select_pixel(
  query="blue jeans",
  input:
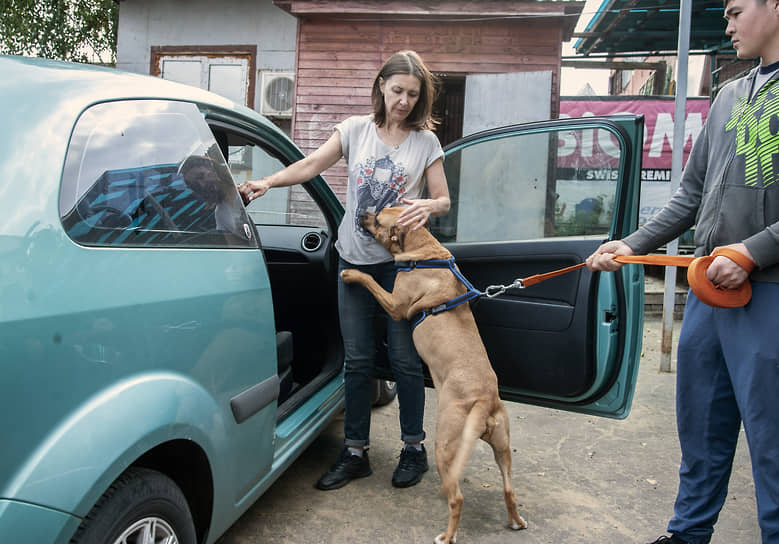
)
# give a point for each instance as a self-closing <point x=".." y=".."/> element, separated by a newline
<point x="727" y="373"/>
<point x="358" y="312"/>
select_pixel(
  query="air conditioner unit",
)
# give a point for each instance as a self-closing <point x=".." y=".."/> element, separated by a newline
<point x="278" y="94"/>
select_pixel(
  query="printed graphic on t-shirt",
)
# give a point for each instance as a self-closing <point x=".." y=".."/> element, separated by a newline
<point x="757" y="135"/>
<point x="380" y="183"/>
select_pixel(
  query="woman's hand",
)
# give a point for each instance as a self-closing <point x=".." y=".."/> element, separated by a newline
<point x="416" y="215"/>
<point x="250" y="190"/>
<point x="419" y="210"/>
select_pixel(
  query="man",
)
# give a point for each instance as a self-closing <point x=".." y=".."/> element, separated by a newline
<point x="728" y="358"/>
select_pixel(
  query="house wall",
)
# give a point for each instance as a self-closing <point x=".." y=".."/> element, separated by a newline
<point x="144" y="24"/>
<point x="338" y="60"/>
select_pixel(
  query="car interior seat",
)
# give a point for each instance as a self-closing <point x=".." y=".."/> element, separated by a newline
<point x="285" y="356"/>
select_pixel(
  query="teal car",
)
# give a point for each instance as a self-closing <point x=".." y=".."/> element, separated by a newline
<point x="166" y="352"/>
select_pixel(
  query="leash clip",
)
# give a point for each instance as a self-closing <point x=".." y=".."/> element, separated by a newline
<point x="494" y="290"/>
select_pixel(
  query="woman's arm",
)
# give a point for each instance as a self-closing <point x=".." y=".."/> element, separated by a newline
<point x="298" y="172"/>
<point x="420" y="210"/>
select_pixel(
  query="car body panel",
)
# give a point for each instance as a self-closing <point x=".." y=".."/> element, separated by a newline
<point x="121" y="356"/>
<point x="133" y="341"/>
<point x="32" y="524"/>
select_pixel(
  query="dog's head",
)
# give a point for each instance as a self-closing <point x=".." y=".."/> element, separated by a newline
<point x="384" y="228"/>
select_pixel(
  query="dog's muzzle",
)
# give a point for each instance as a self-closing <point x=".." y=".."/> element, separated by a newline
<point x="369" y="220"/>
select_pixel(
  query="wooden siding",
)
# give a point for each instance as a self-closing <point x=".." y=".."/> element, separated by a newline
<point x="337" y="60"/>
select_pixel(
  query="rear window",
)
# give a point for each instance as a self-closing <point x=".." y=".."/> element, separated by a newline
<point x="149" y="173"/>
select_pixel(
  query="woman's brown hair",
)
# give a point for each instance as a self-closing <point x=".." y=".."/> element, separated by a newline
<point x="409" y="63"/>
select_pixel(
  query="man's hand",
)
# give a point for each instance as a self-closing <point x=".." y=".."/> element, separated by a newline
<point x="603" y="258"/>
<point x="725" y="273"/>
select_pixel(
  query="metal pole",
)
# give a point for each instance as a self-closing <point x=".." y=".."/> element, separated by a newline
<point x="680" y="115"/>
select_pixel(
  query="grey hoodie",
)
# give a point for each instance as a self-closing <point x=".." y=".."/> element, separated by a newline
<point x="730" y="185"/>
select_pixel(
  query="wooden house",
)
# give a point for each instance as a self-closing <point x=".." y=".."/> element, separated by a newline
<point x="341" y="45"/>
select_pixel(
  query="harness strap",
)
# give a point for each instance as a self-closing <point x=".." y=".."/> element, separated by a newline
<point x="470" y="294"/>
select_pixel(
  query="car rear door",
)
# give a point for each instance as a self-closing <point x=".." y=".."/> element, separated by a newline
<point x="535" y="198"/>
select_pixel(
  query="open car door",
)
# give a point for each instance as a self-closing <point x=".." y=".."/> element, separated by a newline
<point x="533" y="198"/>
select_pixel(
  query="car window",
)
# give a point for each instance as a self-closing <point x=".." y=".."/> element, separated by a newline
<point x="281" y="205"/>
<point x="531" y="186"/>
<point x="149" y="173"/>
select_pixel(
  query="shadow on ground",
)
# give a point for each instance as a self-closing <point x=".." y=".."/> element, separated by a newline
<point x="578" y="479"/>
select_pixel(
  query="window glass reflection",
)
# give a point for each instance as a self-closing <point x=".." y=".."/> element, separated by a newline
<point x="149" y="173"/>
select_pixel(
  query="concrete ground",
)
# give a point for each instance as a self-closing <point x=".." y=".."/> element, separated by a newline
<point x="578" y="479"/>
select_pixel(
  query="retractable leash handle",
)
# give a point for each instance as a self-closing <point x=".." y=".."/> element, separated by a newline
<point x="703" y="288"/>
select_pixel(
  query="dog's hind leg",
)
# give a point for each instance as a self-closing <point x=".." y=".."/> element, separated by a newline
<point x="498" y="437"/>
<point x="449" y="430"/>
<point x="454" y="498"/>
<point x="457" y="431"/>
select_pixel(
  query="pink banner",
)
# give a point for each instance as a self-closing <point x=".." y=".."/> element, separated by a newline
<point x="658" y="129"/>
<point x="597" y="153"/>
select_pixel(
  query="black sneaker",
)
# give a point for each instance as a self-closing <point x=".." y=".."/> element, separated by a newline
<point x="673" y="539"/>
<point x="410" y="468"/>
<point x="346" y="468"/>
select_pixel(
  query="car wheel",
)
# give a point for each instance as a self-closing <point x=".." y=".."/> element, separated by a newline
<point x="142" y="507"/>
<point x="385" y="392"/>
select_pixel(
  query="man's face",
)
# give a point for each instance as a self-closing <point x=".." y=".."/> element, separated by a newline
<point x="752" y="28"/>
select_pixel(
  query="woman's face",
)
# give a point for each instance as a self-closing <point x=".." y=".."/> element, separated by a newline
<point x="401" y="93"/>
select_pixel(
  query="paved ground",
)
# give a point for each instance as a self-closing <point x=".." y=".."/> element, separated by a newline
<point x="578" y="479"/>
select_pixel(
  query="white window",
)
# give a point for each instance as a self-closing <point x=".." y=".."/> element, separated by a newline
<point x="226" y="76"/>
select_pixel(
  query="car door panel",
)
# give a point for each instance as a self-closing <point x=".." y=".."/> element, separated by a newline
<point x="296" y="228"/>
<point x="537" y="198"/>
<point x="537" y="338"/>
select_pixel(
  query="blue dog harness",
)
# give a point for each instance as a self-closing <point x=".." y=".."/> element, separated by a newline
<point x="470" y="294"/>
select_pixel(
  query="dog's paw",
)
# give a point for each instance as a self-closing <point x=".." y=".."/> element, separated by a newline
<point x="517" y="525"/>
<point x="349" y="275"/>
<point x="441" y="539"/>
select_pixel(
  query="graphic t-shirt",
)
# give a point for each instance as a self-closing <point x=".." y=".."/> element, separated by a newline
<point x="379" y="175"/>
<point x="764" y="73"/>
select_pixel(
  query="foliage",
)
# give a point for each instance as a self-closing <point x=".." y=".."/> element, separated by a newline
<point x="75" y="30"/>
<point x="587" y="218"/>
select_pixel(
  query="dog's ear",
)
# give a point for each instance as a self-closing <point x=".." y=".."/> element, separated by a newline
<point x="398" y="235"/>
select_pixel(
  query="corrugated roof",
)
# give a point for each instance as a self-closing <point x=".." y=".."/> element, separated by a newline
<point x="652" y="27"/>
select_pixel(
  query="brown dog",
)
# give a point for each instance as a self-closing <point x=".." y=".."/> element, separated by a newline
<point x="450" y="345"/>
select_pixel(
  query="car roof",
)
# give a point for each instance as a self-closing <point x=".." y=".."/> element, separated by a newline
<point x="74" y="87"/>
<point x="40" y="103"/>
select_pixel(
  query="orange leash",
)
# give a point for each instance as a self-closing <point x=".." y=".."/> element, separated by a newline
<point x="704" y="289"/>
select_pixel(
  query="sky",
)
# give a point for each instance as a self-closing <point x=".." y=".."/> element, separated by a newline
<point x="572" y="80"/>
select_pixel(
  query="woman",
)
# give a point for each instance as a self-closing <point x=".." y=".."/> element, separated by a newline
<point x="388" y="153"/>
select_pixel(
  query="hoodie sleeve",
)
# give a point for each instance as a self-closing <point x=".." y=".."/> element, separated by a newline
<point x="764" y="246"/>
<point x="681" y="212"/>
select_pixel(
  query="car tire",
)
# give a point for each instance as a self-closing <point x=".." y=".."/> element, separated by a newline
<point x="385" y="392"/>
<point x="139" y="500"/>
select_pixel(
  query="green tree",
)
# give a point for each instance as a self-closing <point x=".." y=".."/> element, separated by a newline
<point x="75" y="30"/>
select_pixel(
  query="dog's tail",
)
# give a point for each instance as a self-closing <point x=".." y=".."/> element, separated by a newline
<point x="474" y="428"/>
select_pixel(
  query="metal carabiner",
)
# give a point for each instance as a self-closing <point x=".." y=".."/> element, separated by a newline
<point x="494" y="290"/>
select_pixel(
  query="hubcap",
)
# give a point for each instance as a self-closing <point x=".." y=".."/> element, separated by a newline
<point x="148" y="531"/>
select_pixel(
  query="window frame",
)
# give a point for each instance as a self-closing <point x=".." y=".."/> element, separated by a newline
<point x="74" y="190"/>
<point x="248" y="52"/>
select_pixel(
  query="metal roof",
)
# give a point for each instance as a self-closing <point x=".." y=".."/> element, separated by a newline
<point x="651" y="27"/>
